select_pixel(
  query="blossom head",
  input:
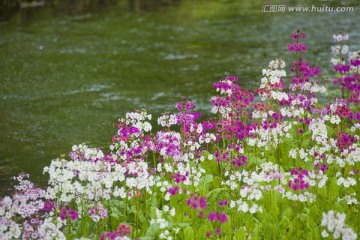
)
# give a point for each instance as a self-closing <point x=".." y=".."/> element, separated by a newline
<point x="185" y="105"/>
<point x="196" y="202"/>
<point x="48" y="205"/>
<point x="212" y="216"/>
<point x="123" y="230"/>
<point x="222" y="217"/>
<point x="298" y="35"/>
<point x="223" y="203"/>
<point x="66" y="213"/>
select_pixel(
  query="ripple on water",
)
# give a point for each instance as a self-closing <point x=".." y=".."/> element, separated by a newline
<point x="88" y="88"/>
<point x="179" y="57"/>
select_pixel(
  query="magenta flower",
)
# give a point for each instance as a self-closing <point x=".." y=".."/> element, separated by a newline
<point x="108" y="235"/>
<point x="212" y="216"/>
<point x="298" y="35"/>
<point x="123" y="230"/>
<point x="223" y="203"/>
<point x="342" y="68"/>
<point x="185" y="105"/>
<point x="73" y="214"/>
<point x="48" y="205"/>
<point x="345" y="140"/>
<point x="323" y="167"/>
<point x="222" y="217"/>
<point x="173" y="190"/>
<point x="196" y="202"/>
<point x="218" y="231"/>
<point x="202" y="203"/>
<point x="65" y="213"/>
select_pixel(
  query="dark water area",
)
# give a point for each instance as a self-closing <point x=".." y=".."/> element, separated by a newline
<point x="70" y="69"/>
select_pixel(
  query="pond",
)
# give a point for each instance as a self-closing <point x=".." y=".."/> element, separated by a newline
<point x="69" y="70"/>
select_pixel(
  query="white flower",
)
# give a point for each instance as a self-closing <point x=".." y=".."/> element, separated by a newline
<point x="172" y="212"/>
<point x="324" y="234"/>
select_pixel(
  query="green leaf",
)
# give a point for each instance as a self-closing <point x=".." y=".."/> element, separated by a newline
<point x="153" y="202"/>
<point x="152" y="231"/>
<point x="240" y="234"/>
<point x="189" y="233"/>
<point x="153" y="212"/>
<point x="205" y="183"/>
<point x="211" y="166"/>
<point x="333" y="189"/>
<point x="116" y="203"/>
<point x="216" y="183"/>
<point x="183" y="224"/>
<point x="142" y="217"/>
<point x="201" y="233"/>
<point x="287" y="213"/>
<point x="214" y="195"/>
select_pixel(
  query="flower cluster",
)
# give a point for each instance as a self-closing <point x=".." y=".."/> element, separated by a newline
<point x="196" y="202"/>
<point x="297" y="46"/>
<point x="120" y="234"/>
<point x="68" y="213"/>
<point x="348" y="69"/>
<point x="334" y="223"/>
<point x="98" y="212"/>
<point x="299" y="182"/>
<point x="217" y="216"/>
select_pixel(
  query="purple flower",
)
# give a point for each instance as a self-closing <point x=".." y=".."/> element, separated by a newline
<point x="108" y="235"/>
<point x="202" y="203"/>
<point x="212" y="216"/>
<point x="222" y="217"/>
<point x="342" y="68"/>
<point x="123" y="230"/>
<point x="218" y="231"/>
<point x="173" y="191"/>
<point x="63" y="213"/>
<point x="73" y="214"/>
<point x="185" y="105"/>
<point x="323" y="167"/>
<point x="223" y="203"/>
<point x="196" y="202"/>
<point x="48" y="205"/>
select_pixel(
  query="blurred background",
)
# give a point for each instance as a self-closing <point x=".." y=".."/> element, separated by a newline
<point x="69" y="69"/>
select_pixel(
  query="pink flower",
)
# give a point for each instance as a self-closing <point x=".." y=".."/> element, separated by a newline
<point x="65" y="213"/>
<point x="173" y="191"/>
<point x="48" y="205"/>
<point x="212" y="216"/>
<point x="222" y="217"/>
<point x="73" y="214"/>
<point x="196" y="202"/>
<point x="123" y="230"/>
<point x="223" y="203"/>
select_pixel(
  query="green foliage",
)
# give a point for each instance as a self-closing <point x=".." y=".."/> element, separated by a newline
<point x="189" y="233"/>
<point x="205" y="184"/>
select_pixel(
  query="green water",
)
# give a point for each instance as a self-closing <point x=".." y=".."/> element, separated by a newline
<point x="68" y="74"/>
